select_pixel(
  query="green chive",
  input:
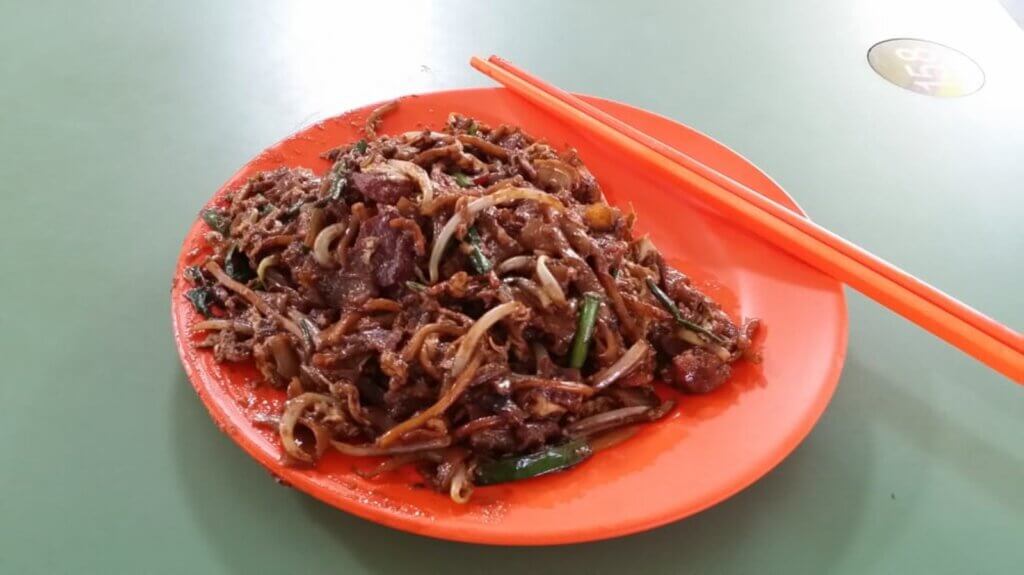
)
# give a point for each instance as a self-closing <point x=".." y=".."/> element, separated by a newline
<point x="480" y="262"/>
<point x="339" y="180"/>
<point x="673" y="309"/>
<point x="584" y="330"/>
<point x="202" y="300"/>
<point x="194" y="275"/>
<point x="217" y="220"/>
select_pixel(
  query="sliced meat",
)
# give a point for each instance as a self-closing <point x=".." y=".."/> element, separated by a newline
<point x="386" y="253"/>
<point x="345" y="288"/>
<point x="698" y="371"/>
<point x="408" y="399"/>
<point x="382" y="188"/>
<point x="534" y="434"/>
<point x="373" y="341"/>
<point x="495" y="239"/>
<point x="678" y="287"/>
<point x="494" y="441"/>
<point x="538" y="235"/>
<point x="557" y="329"/>
<point x="514" y="140"/>
<point x="229" y="347"/>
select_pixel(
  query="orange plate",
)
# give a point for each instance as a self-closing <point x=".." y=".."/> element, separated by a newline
<point x="708" y="449"/>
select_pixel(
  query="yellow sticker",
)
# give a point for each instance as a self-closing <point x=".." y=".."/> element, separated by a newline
<point x="926" y="67"/>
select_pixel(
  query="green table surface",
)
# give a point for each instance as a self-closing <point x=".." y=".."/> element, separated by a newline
<point x="120" y="119"/>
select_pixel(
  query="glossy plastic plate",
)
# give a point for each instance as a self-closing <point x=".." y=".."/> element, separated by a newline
<point x="709" y="448"/>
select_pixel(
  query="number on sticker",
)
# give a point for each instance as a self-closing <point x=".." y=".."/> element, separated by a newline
<point x="927" y="71"/>
<point x="915" y="54"/>
<point x="928" y="85"/>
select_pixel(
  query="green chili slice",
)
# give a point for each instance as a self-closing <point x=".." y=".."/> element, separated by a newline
<point x="462" y="179"/>
<point x="547" y="460"/>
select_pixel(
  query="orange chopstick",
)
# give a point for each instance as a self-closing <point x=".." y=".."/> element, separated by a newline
<point x="954" y="306"/>
<point x="979" y="336"/>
